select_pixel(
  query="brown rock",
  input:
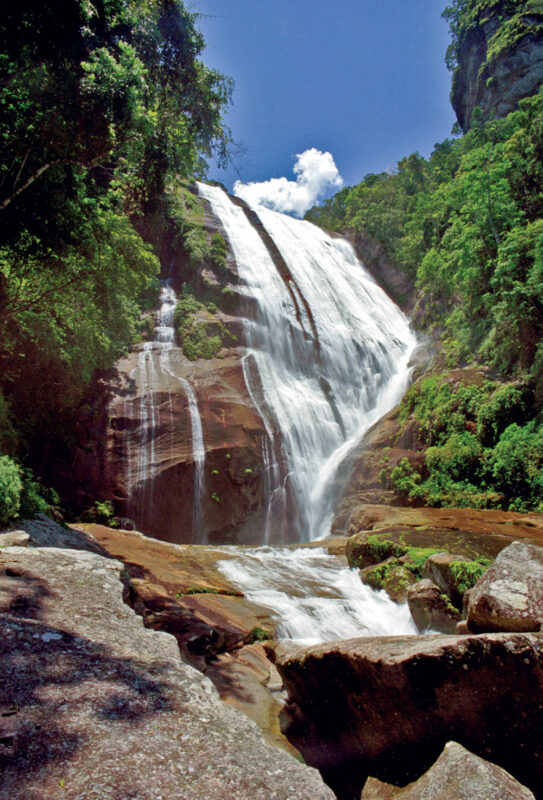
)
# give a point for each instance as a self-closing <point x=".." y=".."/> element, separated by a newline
<point x="387" y="706"/>
<point x="509" y="596"/>
<point x="439" y="569"/>
<point x="94" y="705"/>
<point x="459" y="775"/>
<point x="462" y="627"/>
<point x="430" y="609"/>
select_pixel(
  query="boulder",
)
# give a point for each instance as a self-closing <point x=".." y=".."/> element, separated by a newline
<point x="440" y="569"/>
<point x="92" y="704"/>
<point x="509" y="596"/>
<point x="14" y="539"/>
<point x="431" y="609"/>
<point x="387" y="706"/>
<point x="392" y="576"/>
<point x="459" y="775"/>
<point x="364" y="550"/>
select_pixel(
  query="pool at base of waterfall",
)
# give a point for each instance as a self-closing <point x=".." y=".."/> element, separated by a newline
<point x="315" y="597"/>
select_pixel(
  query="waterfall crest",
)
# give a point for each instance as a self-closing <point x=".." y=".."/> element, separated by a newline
<point x="331" y="349"/>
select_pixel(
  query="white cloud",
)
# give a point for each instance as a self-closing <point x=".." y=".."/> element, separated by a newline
<point x="316" y="173"/>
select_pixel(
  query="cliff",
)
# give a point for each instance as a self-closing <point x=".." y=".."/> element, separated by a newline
<point x="497" y="55"/>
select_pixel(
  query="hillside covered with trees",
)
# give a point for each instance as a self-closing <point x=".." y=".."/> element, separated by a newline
<point x="466" y="227"/>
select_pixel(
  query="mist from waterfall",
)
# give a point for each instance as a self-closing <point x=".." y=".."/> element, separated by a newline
<point x="331" y="349"/>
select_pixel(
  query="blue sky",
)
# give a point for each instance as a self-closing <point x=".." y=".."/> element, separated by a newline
<point x="364" y="80"/>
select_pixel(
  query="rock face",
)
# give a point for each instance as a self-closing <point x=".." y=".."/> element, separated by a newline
<point x="500" y="61"/>
<point x="93" y="704"/>
<point x="509" y="596"/>
<point x="459" y="775"/>
<point x="386" y="707"/>
<point x="430" y="609"/>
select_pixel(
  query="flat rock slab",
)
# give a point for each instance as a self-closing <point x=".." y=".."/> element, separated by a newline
<point x="509" y="524"/>
<point x="509" y="596"/>
<point x="95" y="706"/>
<point x="387" y="706"/>
<point x="459" y="775"/>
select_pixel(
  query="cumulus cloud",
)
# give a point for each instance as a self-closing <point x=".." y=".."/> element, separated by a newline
<point x="316" y="174"/>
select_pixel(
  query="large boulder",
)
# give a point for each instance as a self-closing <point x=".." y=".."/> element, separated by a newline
<point x="509" y="596"/>
<point x="430" y="608"/>
<point x="92" y="704"/>
<point x="440" y="568"/>
<point x="459" y="775"/>
<point x="387" y="706"/>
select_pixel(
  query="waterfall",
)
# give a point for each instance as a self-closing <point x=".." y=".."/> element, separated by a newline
<point x="199" y="455"/>
<point x="314" y="597"/>
<point x="330" y="347"/>
<point x="154" y="376"/>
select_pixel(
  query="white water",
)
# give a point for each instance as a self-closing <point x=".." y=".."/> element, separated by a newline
<point x="332" y="351"/>
<point x="313" y="596"/>
<point x="149" y="375"/>
<point x="199" y="455"/>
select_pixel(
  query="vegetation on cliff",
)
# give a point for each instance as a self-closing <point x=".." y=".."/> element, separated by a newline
<point x="484" y="446"/>
<point x="103" y="107"/>
<point x="484" y="34"/>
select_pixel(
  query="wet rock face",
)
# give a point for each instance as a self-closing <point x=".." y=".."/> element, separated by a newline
<point x="459" y="775"/>
<point x="93" y="704"/>
<point x="509" y="596"/>
<point x="386" y="707"/>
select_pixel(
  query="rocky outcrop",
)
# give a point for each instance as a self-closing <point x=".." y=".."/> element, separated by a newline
<point x="459" y="775"/>
<point x="92" y="703"/>
<point x="431" y="609"/>
<point x="486" y="692"/>
<point x="500" y="61"/>
<point x="509" y="596"/>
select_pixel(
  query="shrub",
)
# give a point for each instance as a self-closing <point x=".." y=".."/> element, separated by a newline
<point x="11" y="488"/>
<point x="219" y="249"/>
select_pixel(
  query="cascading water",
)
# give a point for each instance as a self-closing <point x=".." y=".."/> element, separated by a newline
<point x="153" y="376"/>
<point x="331" y="349"/>
<point x="315" y="597"/>
<point x="331" y="352"/>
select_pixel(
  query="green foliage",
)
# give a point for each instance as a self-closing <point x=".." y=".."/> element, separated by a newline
<point x="21" y="495"/>
<point x="219" y="250"/>
<point x="467" y="573"/>
<point x="259" y="635"/>
<point x="11" y="487"/>
<point x="485" y="450"/>
<point x="200" y="333"/>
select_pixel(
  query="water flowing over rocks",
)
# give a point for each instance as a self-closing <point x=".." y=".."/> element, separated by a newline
<point x="509" y="596"/>
<point x="94" y="705"/>
<point x="485" y="692"/>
